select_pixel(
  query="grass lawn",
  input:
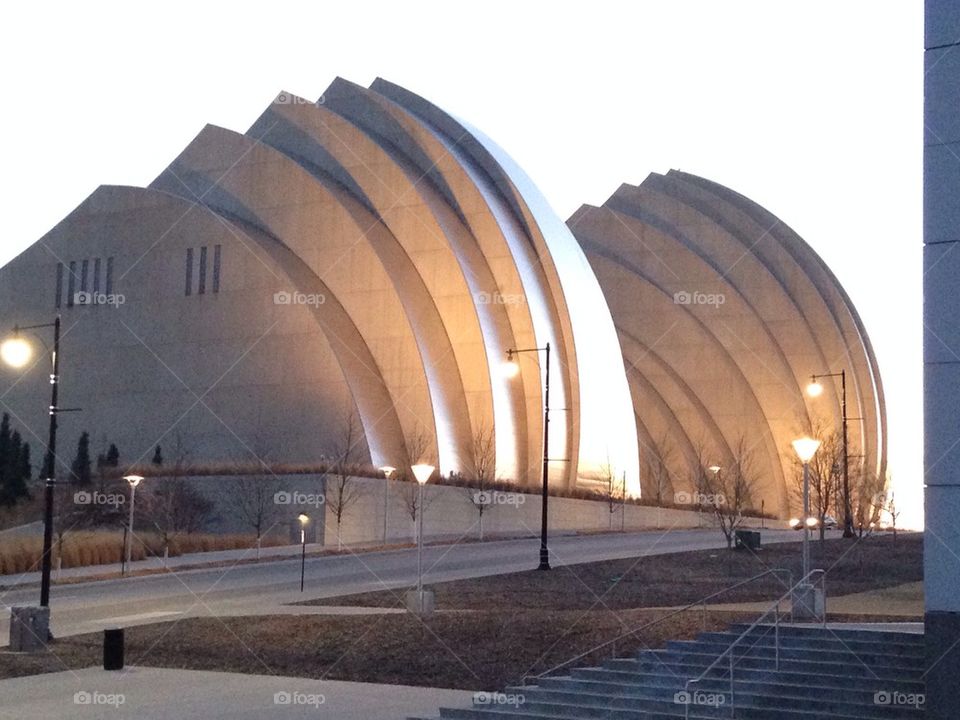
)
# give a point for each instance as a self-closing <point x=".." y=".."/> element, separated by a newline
<point x="489" y="632"/>
<point x="678" y="579"/>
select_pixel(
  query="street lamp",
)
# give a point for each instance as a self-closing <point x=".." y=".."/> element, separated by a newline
<point x="511" y="368"/>
<point x="387" y="471"/>
<point x="422" y="473"/>
<point x="806" y="448"/>
<point x="304" y="519"/>
<point x="815" y="389"/>
<point x="16" y="352"/>
<point x="134" y="480"/>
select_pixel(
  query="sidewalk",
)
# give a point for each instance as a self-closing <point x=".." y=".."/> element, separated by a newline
<point x="156" y="563"/>
<point x="905" y="600"/>
<point x="224" y="557"/>
<point x="162" y="694"/>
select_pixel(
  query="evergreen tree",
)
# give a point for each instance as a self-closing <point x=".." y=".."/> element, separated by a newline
<point x="157" y="457"/>
<point x="80" y="469"/>
<point x="14" y="464"/>
<point x="18" y="471"/>
<point x="11" y="463"/>
<point x="4" y="443"/>
<point x="113" y="456"/>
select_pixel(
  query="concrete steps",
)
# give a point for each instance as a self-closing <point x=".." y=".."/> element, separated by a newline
<point x="824" y="674"/>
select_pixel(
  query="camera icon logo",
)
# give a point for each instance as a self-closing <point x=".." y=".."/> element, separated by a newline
<point x="682" y="298"/>
<point x="282" y="298"/>
<point x="82" y="697"/>
<point x="282" y="698"/>
<point x="282" y="497"/>
<point x="82" y="497"/>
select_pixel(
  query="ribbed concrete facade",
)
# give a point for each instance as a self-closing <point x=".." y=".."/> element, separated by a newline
<point x="723" y="314"/>
<point x="370" y="254"/>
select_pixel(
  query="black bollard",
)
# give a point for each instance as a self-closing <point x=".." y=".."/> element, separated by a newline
<point x="113" y="649"/>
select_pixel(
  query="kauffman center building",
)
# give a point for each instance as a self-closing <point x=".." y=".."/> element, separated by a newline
<point x="371" y="255"/>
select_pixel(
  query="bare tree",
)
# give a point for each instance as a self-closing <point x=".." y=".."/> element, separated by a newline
<point x="342" y="489"/>
<point x="253" y="497"/>
<point x="891" y="509"/>
<point x="729" y="490"/>
<point x="418" y="447"/>
<point x="614" y="492"/>
<point x="482" y="473"/>
<point x="659" y="458"/>
<point x="699" y="464"/>
<point x="825" y="477"/>
<point x="868" y="497"/>
<point x="174" y="507"/>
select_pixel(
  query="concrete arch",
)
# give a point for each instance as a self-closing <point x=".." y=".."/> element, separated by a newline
<point x="487" y="223"/>
<point x="596" y="389"/>
<point x="866" y="377"/>
<point x="828" y="291"/>
<point x="765" y="305"/>
<point x="256" y="197"/>
<point x="768" y="409"/>
<point x="478" y="337"/>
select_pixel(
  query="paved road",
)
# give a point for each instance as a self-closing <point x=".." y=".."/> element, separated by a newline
<point x="259" y="588"/>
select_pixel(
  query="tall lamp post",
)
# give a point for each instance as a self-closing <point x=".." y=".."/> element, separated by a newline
<point x="422" y="473"/>
<point x="134" y="480"/>
<point x="304" y="519"/>
<point x="387" y="471"/>
<point x="512" y="368"/>
<point x="815" y="389"/>
<point x="17" y="352"/>
<point x="806" y="448"/>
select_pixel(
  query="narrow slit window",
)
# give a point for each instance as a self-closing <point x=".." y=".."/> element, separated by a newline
<point x="108" y="280"/>
<point x="96" y="276"/>
<point x="188" y="287"/>
<point x="59" y="284"/>
<point x="216" y="268"/>
<point x="84" y="271"/>
<point x="202" y="279"/>
<point x="71" y="283"/>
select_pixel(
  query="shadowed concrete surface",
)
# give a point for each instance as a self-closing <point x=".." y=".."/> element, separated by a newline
<point x="160" y="694"/>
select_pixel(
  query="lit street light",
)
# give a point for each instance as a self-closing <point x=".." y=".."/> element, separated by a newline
<point x="806" y="448"/>
<point x="304" y="519"/>
<point x="17" y="352"/>
<point x="422" y="473"/>
<point x="387" y="471"/>
<point x="814" y="390"/>
<point x="134" y="480"/>
<point x="511" y="368"/>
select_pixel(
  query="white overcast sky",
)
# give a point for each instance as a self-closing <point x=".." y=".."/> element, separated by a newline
<point x="813" y="109"/>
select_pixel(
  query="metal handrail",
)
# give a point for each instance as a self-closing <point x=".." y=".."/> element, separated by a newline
<point x="776" y="640"/>
<point x="634" y="631"/>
